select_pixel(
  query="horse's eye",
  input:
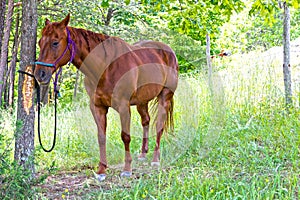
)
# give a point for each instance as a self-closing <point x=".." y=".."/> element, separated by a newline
<point x="55" y="44"/>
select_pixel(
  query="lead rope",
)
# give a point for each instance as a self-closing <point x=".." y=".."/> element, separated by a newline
<point x="39" y="118"/>
<point x="38" y="99"/>
<point x="56" y="91"/>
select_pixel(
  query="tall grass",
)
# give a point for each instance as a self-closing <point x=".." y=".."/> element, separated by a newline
<point x="77" y="133"/>
<point x="232" y="140"/>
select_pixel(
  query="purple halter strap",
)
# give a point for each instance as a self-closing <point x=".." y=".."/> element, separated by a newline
<point x="72" y="52"/>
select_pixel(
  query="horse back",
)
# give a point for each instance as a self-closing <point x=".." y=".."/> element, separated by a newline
<point x="138" y="74"/>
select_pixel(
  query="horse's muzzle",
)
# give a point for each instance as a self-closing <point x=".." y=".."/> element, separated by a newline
<point x="43" y="76"/>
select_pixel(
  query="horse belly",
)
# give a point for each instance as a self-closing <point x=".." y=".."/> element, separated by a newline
<point x="145" y="93"/>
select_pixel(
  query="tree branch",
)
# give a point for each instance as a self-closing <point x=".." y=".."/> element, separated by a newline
<point x="17" y="4"/>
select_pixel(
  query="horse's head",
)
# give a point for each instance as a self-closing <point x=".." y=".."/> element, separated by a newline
<point x="55" y="49"/>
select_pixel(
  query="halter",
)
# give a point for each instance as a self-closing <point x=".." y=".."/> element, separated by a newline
<point x="72" y="51"/>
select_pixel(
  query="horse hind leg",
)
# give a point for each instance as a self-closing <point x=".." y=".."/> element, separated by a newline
<point x="145" y="118"/>
<point x="165" y="107"/>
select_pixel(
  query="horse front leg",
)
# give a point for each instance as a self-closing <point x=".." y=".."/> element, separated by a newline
<point x="99" y="113"/>
<point x="124" y="111"/>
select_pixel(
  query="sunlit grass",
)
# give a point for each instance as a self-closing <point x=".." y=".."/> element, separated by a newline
<point x="77" y="133"/>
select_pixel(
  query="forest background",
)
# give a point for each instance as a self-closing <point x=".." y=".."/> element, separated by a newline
<point x="241" y="141"/>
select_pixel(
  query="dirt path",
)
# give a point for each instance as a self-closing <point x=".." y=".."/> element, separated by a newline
<point x="75" y="184"/>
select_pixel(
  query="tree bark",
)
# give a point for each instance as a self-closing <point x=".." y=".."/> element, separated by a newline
<point x="13" y="63"/>
<point x="24" y="136"/>
<point x="208" y="60"/>
<point x="109" y="15"/>
<point x="286" y="56"/>
<point x="4" y="48"/>
<point x="2" y="17"/>
<point x="76" y="84"/>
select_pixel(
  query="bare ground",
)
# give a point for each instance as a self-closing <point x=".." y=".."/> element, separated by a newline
<point x="75" y="184"/>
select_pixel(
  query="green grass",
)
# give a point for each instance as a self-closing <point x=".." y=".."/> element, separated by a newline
<point x="77" y="140"/>
<point x="235" y="143"/>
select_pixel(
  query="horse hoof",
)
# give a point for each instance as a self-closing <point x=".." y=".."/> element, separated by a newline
<point x="126" y="174"/>
<point x="100" y="177"/>
<point x="155" y="164"/>
<point x="141" y="158"/>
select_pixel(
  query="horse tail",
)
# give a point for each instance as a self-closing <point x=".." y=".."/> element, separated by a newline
<point x="169" y="123"/>
<point x="169" y="120"/>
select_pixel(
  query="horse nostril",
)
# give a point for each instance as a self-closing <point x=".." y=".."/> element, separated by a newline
<point x="42" y="74"/>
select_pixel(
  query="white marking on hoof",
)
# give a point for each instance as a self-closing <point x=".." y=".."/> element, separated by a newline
<point x="141" y="158"/>
<point x="126" y="174"/>
<point x="100" y="177"/>
<point x="155" y="164"/>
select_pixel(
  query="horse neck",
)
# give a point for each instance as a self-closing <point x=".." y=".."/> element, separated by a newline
<point x="85" y="42"/>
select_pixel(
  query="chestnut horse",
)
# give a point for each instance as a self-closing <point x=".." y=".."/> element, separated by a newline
<point x="117" y="75"/>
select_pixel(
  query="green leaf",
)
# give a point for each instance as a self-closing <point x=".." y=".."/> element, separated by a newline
<point x="127" y="2"/>
<point x="295" y="3"/>
<point x="105" y="4"/>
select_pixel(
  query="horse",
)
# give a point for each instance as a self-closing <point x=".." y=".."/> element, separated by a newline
<point x="117" y="75"/>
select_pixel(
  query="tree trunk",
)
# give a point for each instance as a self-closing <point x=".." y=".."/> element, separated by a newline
<point x="24" y="137"/>
<point x="4" y="49"/>
<point x="286" y="56"/>
<point x="2" y="17"/>
<point x="13" y="63"/>
<point x="208" y="60"/>
<point x="76" y="84"/>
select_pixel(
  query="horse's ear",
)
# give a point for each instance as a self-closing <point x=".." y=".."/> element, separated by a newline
<point x="47" y="22"/>
<point x="65" y="22"/>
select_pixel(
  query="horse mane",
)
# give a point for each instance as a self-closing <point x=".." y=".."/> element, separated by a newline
<point x="48" y="30"/>
<point x="91" y="38"/>
<point x="82" y="36"/>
